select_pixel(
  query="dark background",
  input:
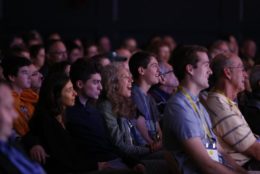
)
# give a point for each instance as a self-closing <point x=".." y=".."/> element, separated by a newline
<point x="188" y="21"/>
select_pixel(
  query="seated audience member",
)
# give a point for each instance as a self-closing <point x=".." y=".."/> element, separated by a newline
<point x="218" y="47"/>
<point x="104" y="45"/>
<point x="36" y="79"/>
<point x="56" y="52"/>
<point x="32" y="38"/>
<point x="37" y="53"/>
<point x="101" y="61"/>
<point x="20" y="51"/>
<point x="251" y="108"/>
<point x="187" y="128"/>
<point x="74" y="52"/>
<point x="12" y="159"/>
<point x="17" y="72"/>
<point x="91" y="50"/>
<point x="168" y="84"/>
<point x="118" y="110"/>
<point x="230" y="126"/>
<point x="85" y="122"/>
<point x="60" y="67"/>
<point x="48" y="140"/>
<point x="145" y="70"/>
<point x="248" y="52"/>
<point x="130" y="44"/>
<point x="163" y="53"/>
<point x="119" y="113"/>
<point x="169" y="40"/>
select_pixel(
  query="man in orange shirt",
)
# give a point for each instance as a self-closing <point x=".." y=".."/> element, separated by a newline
<point x="16" y="71"/>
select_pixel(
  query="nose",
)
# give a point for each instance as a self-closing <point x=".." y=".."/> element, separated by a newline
<point x="75" y="93"/>
<point x="245" y="74"/>
<point x="100" y="86"/>
<point x="210" y="71"/>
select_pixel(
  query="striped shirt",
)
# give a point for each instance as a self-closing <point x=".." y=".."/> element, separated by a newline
<point x="230" y="127"/>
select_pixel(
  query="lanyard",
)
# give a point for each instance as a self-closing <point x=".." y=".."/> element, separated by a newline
<point x="198" y="111"/>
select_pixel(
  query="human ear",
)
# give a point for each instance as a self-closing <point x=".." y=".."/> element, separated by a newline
<point x="141" y="70"/>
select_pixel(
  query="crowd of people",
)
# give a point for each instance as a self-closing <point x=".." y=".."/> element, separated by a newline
<point x="75" y="107"/>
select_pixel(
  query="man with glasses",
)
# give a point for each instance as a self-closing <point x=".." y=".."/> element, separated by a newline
<point x="232" y="130"/>
<point x="168" y="84"/>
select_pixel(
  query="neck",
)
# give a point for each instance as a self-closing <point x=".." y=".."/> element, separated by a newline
<point x="227" y="89"/>
<point x="83" y="100"/>
<point x="191" y="87"/>
<point x="167" y="89"/>
<point x="144" y="86"/>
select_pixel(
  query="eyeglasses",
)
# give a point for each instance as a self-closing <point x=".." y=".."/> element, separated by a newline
<point x="167" y="72"/>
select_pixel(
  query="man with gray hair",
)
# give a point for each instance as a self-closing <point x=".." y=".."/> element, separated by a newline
<point x="229" y="125"/>
<point x="168" y="84"/>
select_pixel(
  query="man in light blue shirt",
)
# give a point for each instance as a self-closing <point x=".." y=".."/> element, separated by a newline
<point x="187" y="128"/>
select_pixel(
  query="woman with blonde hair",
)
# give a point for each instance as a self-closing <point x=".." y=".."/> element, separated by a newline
<point x="120" y="116"/>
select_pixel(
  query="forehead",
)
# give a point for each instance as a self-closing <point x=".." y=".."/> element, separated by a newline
<point x="32" y="68"/>
<point x="68" y="84"/>
<point x="236" y="60"/>
<point x="24" y="68"/>
<point x="95" y="76"/>
<point x="124" y="71"/>
<point x="152" y="60"/>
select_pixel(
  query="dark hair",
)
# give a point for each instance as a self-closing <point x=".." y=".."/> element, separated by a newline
<point x="17" y="49"/>
<point x="82" y="70"/>
<point x="139" y="59"/>
<point x="255" y="78"/>
<point x="59" y="67"/>
<point x="97" y="60"/>
<point x="11" y="65"/>
<point x="50" y="44"/>
<point x="34" y="50"/>
<point x="50" y="95"/>
<point x="184" y="55"/>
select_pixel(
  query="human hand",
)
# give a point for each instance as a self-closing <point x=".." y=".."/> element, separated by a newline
<point x="38" y="154"/>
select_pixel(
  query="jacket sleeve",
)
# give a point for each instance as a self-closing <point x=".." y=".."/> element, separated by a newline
<point x="117" y="135"/>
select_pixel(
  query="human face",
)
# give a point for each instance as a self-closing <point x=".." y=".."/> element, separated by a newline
<point x="36" y="77"/>
<point x="164" y="53"/>
<point x="68" y="95"/>
<point x="58" y="52"/>
<point x="125" y="82"/>
<point x="40" y="58"/>
<point x="22" y="80"/>
<point x="7" y="112"/>
<point x="170" y="80"/>
<point x="104" y="62"/>
<point x="92" y="87"/>
<point x="75" y="54"/>
<point x="201" y="72"/>
<point x="92" y="51"/>
<point x="151" y="73"/>
<point x="238" y="75"/>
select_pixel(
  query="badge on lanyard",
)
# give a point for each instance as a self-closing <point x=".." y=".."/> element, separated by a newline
<point x="211" y="147"/>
